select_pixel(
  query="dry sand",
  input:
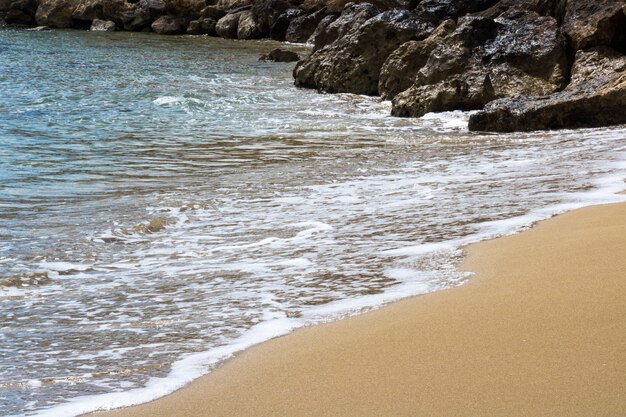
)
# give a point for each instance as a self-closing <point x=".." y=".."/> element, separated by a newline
<point x="539" y="331"/>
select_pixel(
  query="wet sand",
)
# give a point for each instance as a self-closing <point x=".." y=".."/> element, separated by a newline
<point x="539" y="331"/>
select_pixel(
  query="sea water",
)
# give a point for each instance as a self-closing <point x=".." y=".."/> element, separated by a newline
<point x="168" y="201"/>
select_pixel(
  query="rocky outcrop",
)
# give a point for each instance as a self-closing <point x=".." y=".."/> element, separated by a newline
<point x="352" y="63"/>
<point x="280" y="55"/>
<point x="596" y="96"/>
<point x="102" y="26"/>
<point x="518" y="53"/>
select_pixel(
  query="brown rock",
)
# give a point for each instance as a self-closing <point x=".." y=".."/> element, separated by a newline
<point x="202" y="26"/>
<point x="55" y="13"/>
<point x="399" y="71"/>
<point x="519" y="53"/>
<point x="352" y="63"/>
<point x="332" y="28"/>
<point x="596" y="96"/>
<point x="168" y="25"/>
<point x="278" y="31"/>
<point x="227" y="26"/>
<point x="468" y="91"/>
<point x="280" y="55"/>
<point x="247" y="26"/>
<point x="591" y="23"/>
<point x="302" y="27"/>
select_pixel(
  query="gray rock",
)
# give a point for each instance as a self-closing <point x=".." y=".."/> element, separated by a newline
<point x="596" y="96"/>
<point x="102" y="26"/>
<point x="39" y="29"/>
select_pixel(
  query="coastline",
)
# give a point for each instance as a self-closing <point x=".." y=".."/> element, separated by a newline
<point x="530" y="334"/>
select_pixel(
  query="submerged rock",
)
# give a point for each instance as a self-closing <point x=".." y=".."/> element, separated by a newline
<point x="280" y="55"/>
<point x="596" y="96"/>
<point x="102" y="26"/>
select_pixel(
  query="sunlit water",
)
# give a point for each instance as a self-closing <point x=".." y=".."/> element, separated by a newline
<point x="167" y="201"/>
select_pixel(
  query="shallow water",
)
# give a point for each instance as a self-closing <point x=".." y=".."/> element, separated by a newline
<point x="167" y="201"/>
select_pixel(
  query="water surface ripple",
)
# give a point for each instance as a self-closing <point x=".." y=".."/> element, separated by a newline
<point x="165" y="201"/>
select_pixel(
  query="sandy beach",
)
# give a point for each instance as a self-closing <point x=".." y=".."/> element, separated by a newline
<point x="540" y="330"/>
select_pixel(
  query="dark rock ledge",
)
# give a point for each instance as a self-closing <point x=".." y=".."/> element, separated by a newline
<point x="523" y="64"/>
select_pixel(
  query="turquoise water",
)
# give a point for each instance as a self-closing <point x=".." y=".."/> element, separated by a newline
<point x="167" y="201"/>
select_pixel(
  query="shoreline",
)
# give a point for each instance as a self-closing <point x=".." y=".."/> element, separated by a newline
<point x="452" y="352"/>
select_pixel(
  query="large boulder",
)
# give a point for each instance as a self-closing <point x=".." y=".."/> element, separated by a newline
<point x="266" y="13"/>
<point x="227" y="26"/>
<point x="278" y="31"/>
<point x="352" y="63"/>
<point x="55" y="13"/>
<point x="302" y="27"/>
<point x="331" y="28"/>
<point x="20" y="12"/>
<point x="596" y="96"/>
<point x="202" y="26"/>
<point x="399" y="71"/>
<point x="168" y="25"/>
<point x="591" y="23"/>
<point x="467" y="91"/>
<point x="518" y="53"/>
